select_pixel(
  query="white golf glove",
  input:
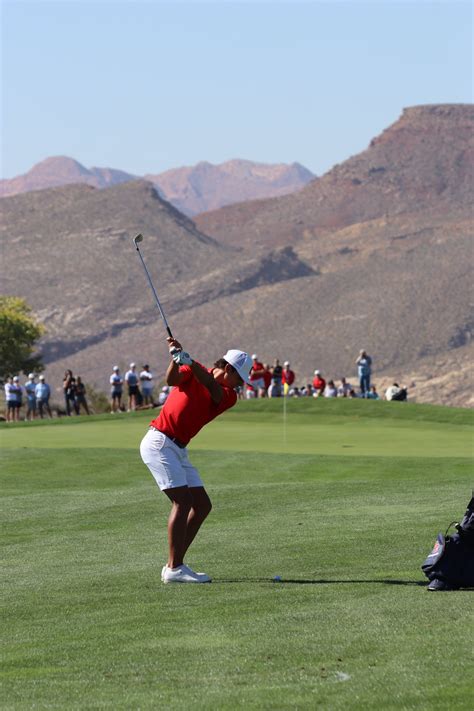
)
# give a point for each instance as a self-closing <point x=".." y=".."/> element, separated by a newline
<point x="182" y="358"/>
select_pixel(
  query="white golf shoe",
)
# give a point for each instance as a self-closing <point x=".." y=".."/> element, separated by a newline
<point x="183" y="574"/>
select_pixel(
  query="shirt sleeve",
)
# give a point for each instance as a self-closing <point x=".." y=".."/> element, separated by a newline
<point x="229" y="398"/>
<point x="186" y="372"/>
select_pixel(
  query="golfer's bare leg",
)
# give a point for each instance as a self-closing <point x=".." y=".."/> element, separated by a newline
<point x="200" y="510"/>
<point x="177" y="523"/>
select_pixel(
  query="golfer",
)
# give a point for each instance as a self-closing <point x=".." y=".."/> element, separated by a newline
<point x="198" y="396"/>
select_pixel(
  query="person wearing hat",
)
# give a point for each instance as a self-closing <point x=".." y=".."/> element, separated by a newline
<point x="131" y="378"/>
<point x="198" y="395"/>
<point x="319" y="384"/>
<point x="257" y="382"/>
<point x="116" y="384"/>
<point x="10" y="399"/>
<point x="288" y="377"/>
<point x="146" y="380"/>
<point x="30" y="389"/>
<point x="43" y="393"/>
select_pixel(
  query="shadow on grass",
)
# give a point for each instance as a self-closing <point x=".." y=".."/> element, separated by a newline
<point x="321" y="581"/>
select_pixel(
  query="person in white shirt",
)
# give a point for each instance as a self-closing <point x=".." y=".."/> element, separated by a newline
<point x="344" y="389"/>
<point x="395" y="392"/>
<point x="146" y="380"/>
<point x="163" y="396"/>
<point x="10" y="399"/>
<point x="43" y="392"/>
<point x="131" y="378"/>
<point x="116" y="384"/>
<point x="330" y="390"/>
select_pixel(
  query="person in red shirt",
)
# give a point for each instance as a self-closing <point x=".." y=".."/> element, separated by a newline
<point x="198" y="395"/>
<point x="267" y="377"/>
<point x="288" y="377"/>
<point x="318" y="384"/>
<point x="257" y="379"/>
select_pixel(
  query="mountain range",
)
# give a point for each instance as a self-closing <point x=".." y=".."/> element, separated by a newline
<point x="375" y="254"/>
<point x="192" y="189"/>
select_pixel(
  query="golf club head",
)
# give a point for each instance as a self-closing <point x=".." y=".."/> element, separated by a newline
<point x="138" y="239"/>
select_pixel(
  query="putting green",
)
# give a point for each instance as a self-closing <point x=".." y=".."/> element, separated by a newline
<point x="340" y="428"/>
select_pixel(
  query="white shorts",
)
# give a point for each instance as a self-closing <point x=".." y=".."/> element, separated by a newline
<point x="168" y="463"/>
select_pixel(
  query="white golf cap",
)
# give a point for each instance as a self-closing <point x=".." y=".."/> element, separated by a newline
<point x="132" y="365"/>
<point x="287" y="362"/>
<point x="41" y="377"/>
<point x="255" y="356"/>
<point x="317" y="372"/>
<point x="241" y="361"/>
<point x="31" y="375"/>
<point x="16" y="379"/>
<point x="115" y="367"/>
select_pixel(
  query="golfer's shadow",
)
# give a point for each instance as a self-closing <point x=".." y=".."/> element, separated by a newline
<point x="320" y="581"/>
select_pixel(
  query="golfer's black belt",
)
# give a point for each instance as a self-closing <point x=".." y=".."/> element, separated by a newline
<point x="178" y="442"/>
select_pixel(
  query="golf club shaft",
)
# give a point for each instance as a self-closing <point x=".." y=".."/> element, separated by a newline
<point x="154" y="292"/>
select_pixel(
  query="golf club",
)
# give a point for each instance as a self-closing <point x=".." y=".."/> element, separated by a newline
<point x="136" y="241"/>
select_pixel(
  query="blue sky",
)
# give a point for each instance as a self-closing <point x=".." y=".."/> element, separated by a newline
<point x="146" y="85"/>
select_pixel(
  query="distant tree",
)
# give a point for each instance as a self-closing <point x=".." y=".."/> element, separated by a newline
<point x="19" y="332"/>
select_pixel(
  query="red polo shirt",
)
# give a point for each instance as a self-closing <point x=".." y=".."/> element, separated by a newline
<point x="288" y="377"/>
<point x="189" y="407"/>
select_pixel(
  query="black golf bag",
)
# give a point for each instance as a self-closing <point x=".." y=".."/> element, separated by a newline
<point x="450" y="565"/>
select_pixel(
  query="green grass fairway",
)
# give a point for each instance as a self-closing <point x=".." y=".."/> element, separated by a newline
<point x="343" y="500"/>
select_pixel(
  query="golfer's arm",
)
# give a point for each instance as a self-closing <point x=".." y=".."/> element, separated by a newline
<point x="173" y="376"/>
<point x="208" y="381"/>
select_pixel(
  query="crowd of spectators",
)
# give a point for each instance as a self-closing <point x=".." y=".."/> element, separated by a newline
<point x="139" y="393"/>
<point x="135" y="390"/>
<point x="277" y="381"/>
<point x="37" y="395"/>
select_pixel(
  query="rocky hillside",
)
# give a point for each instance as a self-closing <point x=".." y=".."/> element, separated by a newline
<point x="423" y="162"/>
<point x="192" y="189"/>
<point x="207" y="187"/>
<point x="396" y="281"/>
<point x="61" y="170"/>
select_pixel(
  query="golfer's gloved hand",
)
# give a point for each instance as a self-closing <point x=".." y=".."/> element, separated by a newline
<point x="182" y="358"/>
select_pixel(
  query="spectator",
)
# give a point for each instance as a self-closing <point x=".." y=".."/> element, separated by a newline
<point x="364" y="365"/>
<point x="131" y="378"/>
<point x="344" y="388"/>
<point x="267" y="377"/>
<point x="257" y="380"/>
<point x="306" y="390"/>
<point x="30" y="389"/>
<point x="146" y="380"/>
<point x="352" y="393"/>
<point x="116" y="385"/>
<point x="277" y="378"/>
<point x="10" y="399"/>
<point x="319" y="384"/>
<point x="330" y="390"/>
<point x="81" y="396"/>
<point x="250" y="392"/>
<point x="373" y="394"/>
<point x="164" y="394"/>
<point x="18" y="393"/>
<point x="69" y="387"/>
<point x="288" y="377"/>
<point x="395" y="392"/>
<point x="43" y="393"/>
